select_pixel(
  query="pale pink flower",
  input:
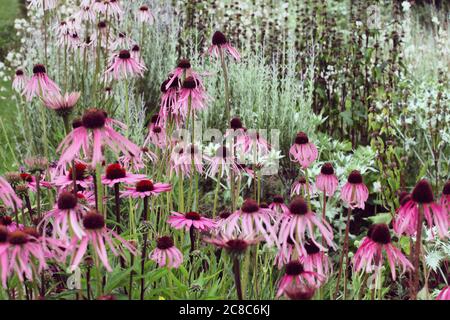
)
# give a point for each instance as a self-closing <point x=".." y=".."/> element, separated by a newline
<point x="169" y="98"/>
<point x="122" y="41"/>
<point x="9" y="224"/>
<point x="316" y="260"/>
<point x="145" y="188"/>
<point x="296" y="274"/>
<point x="252" y="219"/>
<point x="220" y="46"/>
<point x="144" y="15"/>
<point x="94" y="132"/>
<point x="30" y="181"/>
<point x="183" y="70"/>
<point x="66" y="217"/>
<point x="186" y="158"/>
<point x="62" y="104"/>
<point x="166" y="254"/>
<point x="115" y="173"/>
<point x="278" y="205"/>
<point x="20" y="81"/>
<point x="234" y="245"/>
<point x="300" y="187"/>
<point x="85" y="14"/>
<point x="303" y="151"/>
<point x="130" y="162"/>
<point x="190" y="219"/>
<point x="408" y="214"/>
<point x="221" y="163"/>
<point x="125" y="66"/>
<point x="192" y="97"/>
<point x="354" y="192"/>
<point x="369" y="255"/>
<point x="8" y="195"/>
<point x="156" y="136"/>
<point x="301" y="221"/>
<point x="39" y="84"/>
<point x="112" y="8"/>
<point x="445" y="198"/>
<point x="327" y="181"/>
<point x="97" y="235"/>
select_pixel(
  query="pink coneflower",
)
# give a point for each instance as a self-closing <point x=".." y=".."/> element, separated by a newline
<point x="191" y="95"/>
<point x="61" y="104"/>
<point x="146" y="188"/>
<point x="86" y="13"/>
<point x="166" y="254"/>
<point x="112" y="8"/>
<point x="65" y="217"/>
<point x="355" y="192"/>
<point x="156" y="136"/>
<point x="221" y="163"/>
<point x="316" y="260"/>
<point x="327" y="181"/>
<point x="285" y="253"/>
<point x="295" y="273"/>
<point x="300" y="187"/>
<point x="39" y="84"/>
<point x="190" y="219"/>
<point x="252" y="219"/>
<point x="23" y="253"/>
<point x="221" y="220"/>
<point x="122" y="41"/>
<point x="370" y="253"/>
<point x="234" y="245"/>
<point x="115" y="173"/>
<point x="278" y="205"/>
<point x="94" y="121"/>
<point x="183" y="68"/>
<point x="253" y="142"/>
<point x="124" y="66"/>
<point x="445" y="197"/>
<point x="220" y="45"/>
<point x="82" y="177"/>
<point x="301" y="220"/>
<point x="20" y="80"/>
<point x="45" y="4"/>
<point x="4" y="259"/>
<point x="444" y="294"/>
<point x="303" y="151"/>
<point x="186" y="158"/>
<point x="144" y="15"/>
<point x="136" y="53"/>
<point x="408" y="215"/>
<point x="130" y="162"/>
<point x="8" y="195"/>
<point x="98" y="236"/>
<point x="169" y="97"/>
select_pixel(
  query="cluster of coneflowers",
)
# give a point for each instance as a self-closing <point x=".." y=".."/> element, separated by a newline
<point x="98" y="167"/>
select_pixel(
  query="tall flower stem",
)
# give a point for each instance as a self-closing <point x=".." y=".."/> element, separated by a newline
<point x="216" y="194"/>
<point x="227" y="89"/>
<point x="117" y="205"/>
<point x="344" y="254"/>
<point x="144" y="246"/>
<point x="38" y="194"/>
<point x="417" y="248"/>
<point x="237" y="277"/>
<point x="324" y="212"/>
<point x="180" y="192"/>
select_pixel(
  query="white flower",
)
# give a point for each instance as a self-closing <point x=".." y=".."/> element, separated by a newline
<point x="406" y="6"/>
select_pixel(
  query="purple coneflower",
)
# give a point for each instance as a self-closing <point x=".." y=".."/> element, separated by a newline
<point x="303" y="151"/>
<point x="20" y="81"/>
<point x="144" y="15"/>
<point x="146" y="188"/>
<point x="220" y="46"/>
<point x="183" y="68"/>
<point x="192" y="95"/>
<point x="301" y="220"/>
<point x="355" y="192"/>
<point x="39" y="84"/>
<point x="278" y="205"/>
<point x="444" y="294"/>
<point x="222" y="162"/>
<point x="8" y="195"/>
<point x="252" y="219"/>
<point x="445" y="197"/>
<point x="370" y="252"/>
<point x="98" y="236"/>
<point x="190" y="219"/>
<point x="296" y="274"/>
<point x="166" y="254"/>
<point x="94" y="121"/>
<point x="124" y="66"/>
<point x="115" y="173"/>
<point x="407" y="218"/>
<point x="61" y="104"/>
<point x="316" y="260"/>
<point x="327" y="181"/>
<point x="300" y="187"/>
<point x="82" y="177"/>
